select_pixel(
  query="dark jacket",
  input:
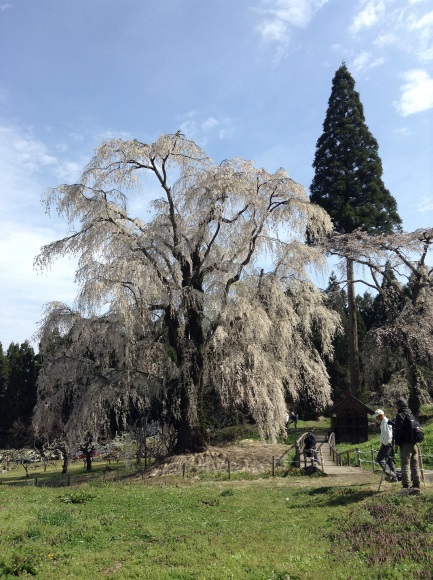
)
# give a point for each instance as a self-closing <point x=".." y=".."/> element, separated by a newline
<point x="310" y="441"/>
<point x="402" y="433"/>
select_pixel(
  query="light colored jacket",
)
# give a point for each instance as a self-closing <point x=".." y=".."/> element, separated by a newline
<point x="385" y="432"/>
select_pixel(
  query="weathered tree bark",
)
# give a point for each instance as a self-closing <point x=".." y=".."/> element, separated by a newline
<point x="191" y="434"/>
<point x="88" y="456"/>
<point x="355" y="375"/>
<point x="65" y="464"/>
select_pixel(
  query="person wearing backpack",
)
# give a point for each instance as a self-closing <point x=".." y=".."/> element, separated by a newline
<point x="404" y="439"/>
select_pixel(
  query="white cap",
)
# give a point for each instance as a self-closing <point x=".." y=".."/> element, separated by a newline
<point x="378" y="412"/>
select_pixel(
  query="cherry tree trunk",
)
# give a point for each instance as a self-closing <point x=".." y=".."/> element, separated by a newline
<point x="191" y="433"/>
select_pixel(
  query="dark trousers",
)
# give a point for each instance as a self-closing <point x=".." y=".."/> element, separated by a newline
<point x="385" y="458"/>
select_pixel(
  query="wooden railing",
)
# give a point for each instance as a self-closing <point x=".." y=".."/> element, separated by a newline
<point x="299" y="449"/>
<point x="332" y="447"/>
<point x="301" y="455"/>
<point x="342" y="457"/>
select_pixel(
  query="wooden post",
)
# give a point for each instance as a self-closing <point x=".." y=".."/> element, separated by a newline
<point x="372" y="459"/>
<point x="36" y="482"/>
<point x="183" y="470"/>
<point x="228" y="468"/>
<point x="69" y="480"/>
<point x="358" y="456"/>
<point x="298" y="455"/>
<point x="348" y="457"/>
<point x="380" y="482"/>
<point x="273" y="465"/>
<point x="420" y="462"/>
<point x="321" y="460"/>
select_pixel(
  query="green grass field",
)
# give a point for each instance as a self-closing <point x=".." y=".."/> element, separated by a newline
<point x="286" y="528"/>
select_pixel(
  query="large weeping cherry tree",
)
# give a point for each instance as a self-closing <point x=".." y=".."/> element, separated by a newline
<point x="207" y="290"/>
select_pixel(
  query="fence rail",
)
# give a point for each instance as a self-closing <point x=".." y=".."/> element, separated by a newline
<point x="355" y="456"/>
<point x="219" y="469"/>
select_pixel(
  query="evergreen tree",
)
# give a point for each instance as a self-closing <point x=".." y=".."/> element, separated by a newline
<point x="366" y="313"/>
<point x="18" y="397"/>
<point x="348" y="184"/>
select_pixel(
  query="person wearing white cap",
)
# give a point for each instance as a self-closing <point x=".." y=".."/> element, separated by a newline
<point x="385" y="457"/>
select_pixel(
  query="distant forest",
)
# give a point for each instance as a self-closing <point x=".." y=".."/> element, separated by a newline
<point x="19" y="367"/>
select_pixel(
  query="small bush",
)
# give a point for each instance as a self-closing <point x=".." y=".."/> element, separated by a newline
<point x="76" y="497"/>
<point x="19" y="566"/>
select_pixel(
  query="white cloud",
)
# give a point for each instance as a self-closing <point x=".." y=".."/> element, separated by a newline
<point x="416" y="93"/>
<point x="386" y="39"/>
<point x="368" y="16"/>
<point x="210" y="123"/>
<point x="273" y="30"/>
<point x="422" y="27"/>
<point x="226" y="133"/>
<point x="296" y="12"/>
<point x="24" y="151"/>
<point x="396" y="23"/>
<point x="202" y="130"/>
<point x="23" y="160"/>
<point x="425" y="21"/>
<point x="425" y="205"/>
<point x="280" y="16"/>
<point x="365" y="61"/>
<point x="4" y="7"/>
<point x="69" y="171"/>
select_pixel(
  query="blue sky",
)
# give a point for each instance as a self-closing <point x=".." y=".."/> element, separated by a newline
<point x="243" y="78"/>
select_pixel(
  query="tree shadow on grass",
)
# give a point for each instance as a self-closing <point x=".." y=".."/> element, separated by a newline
<point x="341" y="495"/>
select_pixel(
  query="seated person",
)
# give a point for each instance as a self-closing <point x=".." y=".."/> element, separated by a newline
<point x="310" y="446"/>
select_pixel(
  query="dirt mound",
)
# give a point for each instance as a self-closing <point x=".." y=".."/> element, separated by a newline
<point x="247" y="455"/>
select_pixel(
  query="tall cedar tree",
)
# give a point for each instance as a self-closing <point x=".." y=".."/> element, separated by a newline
<point x="348" y="184"/>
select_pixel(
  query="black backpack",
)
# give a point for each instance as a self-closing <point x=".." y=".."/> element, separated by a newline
<point x="415" y="431"/>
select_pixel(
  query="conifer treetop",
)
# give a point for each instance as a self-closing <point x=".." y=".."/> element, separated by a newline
<point x="348" y="170"/>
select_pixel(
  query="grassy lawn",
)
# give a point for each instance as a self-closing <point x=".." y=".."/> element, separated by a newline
<point x="277" y="528"/>
<point x="263" y="528"/>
